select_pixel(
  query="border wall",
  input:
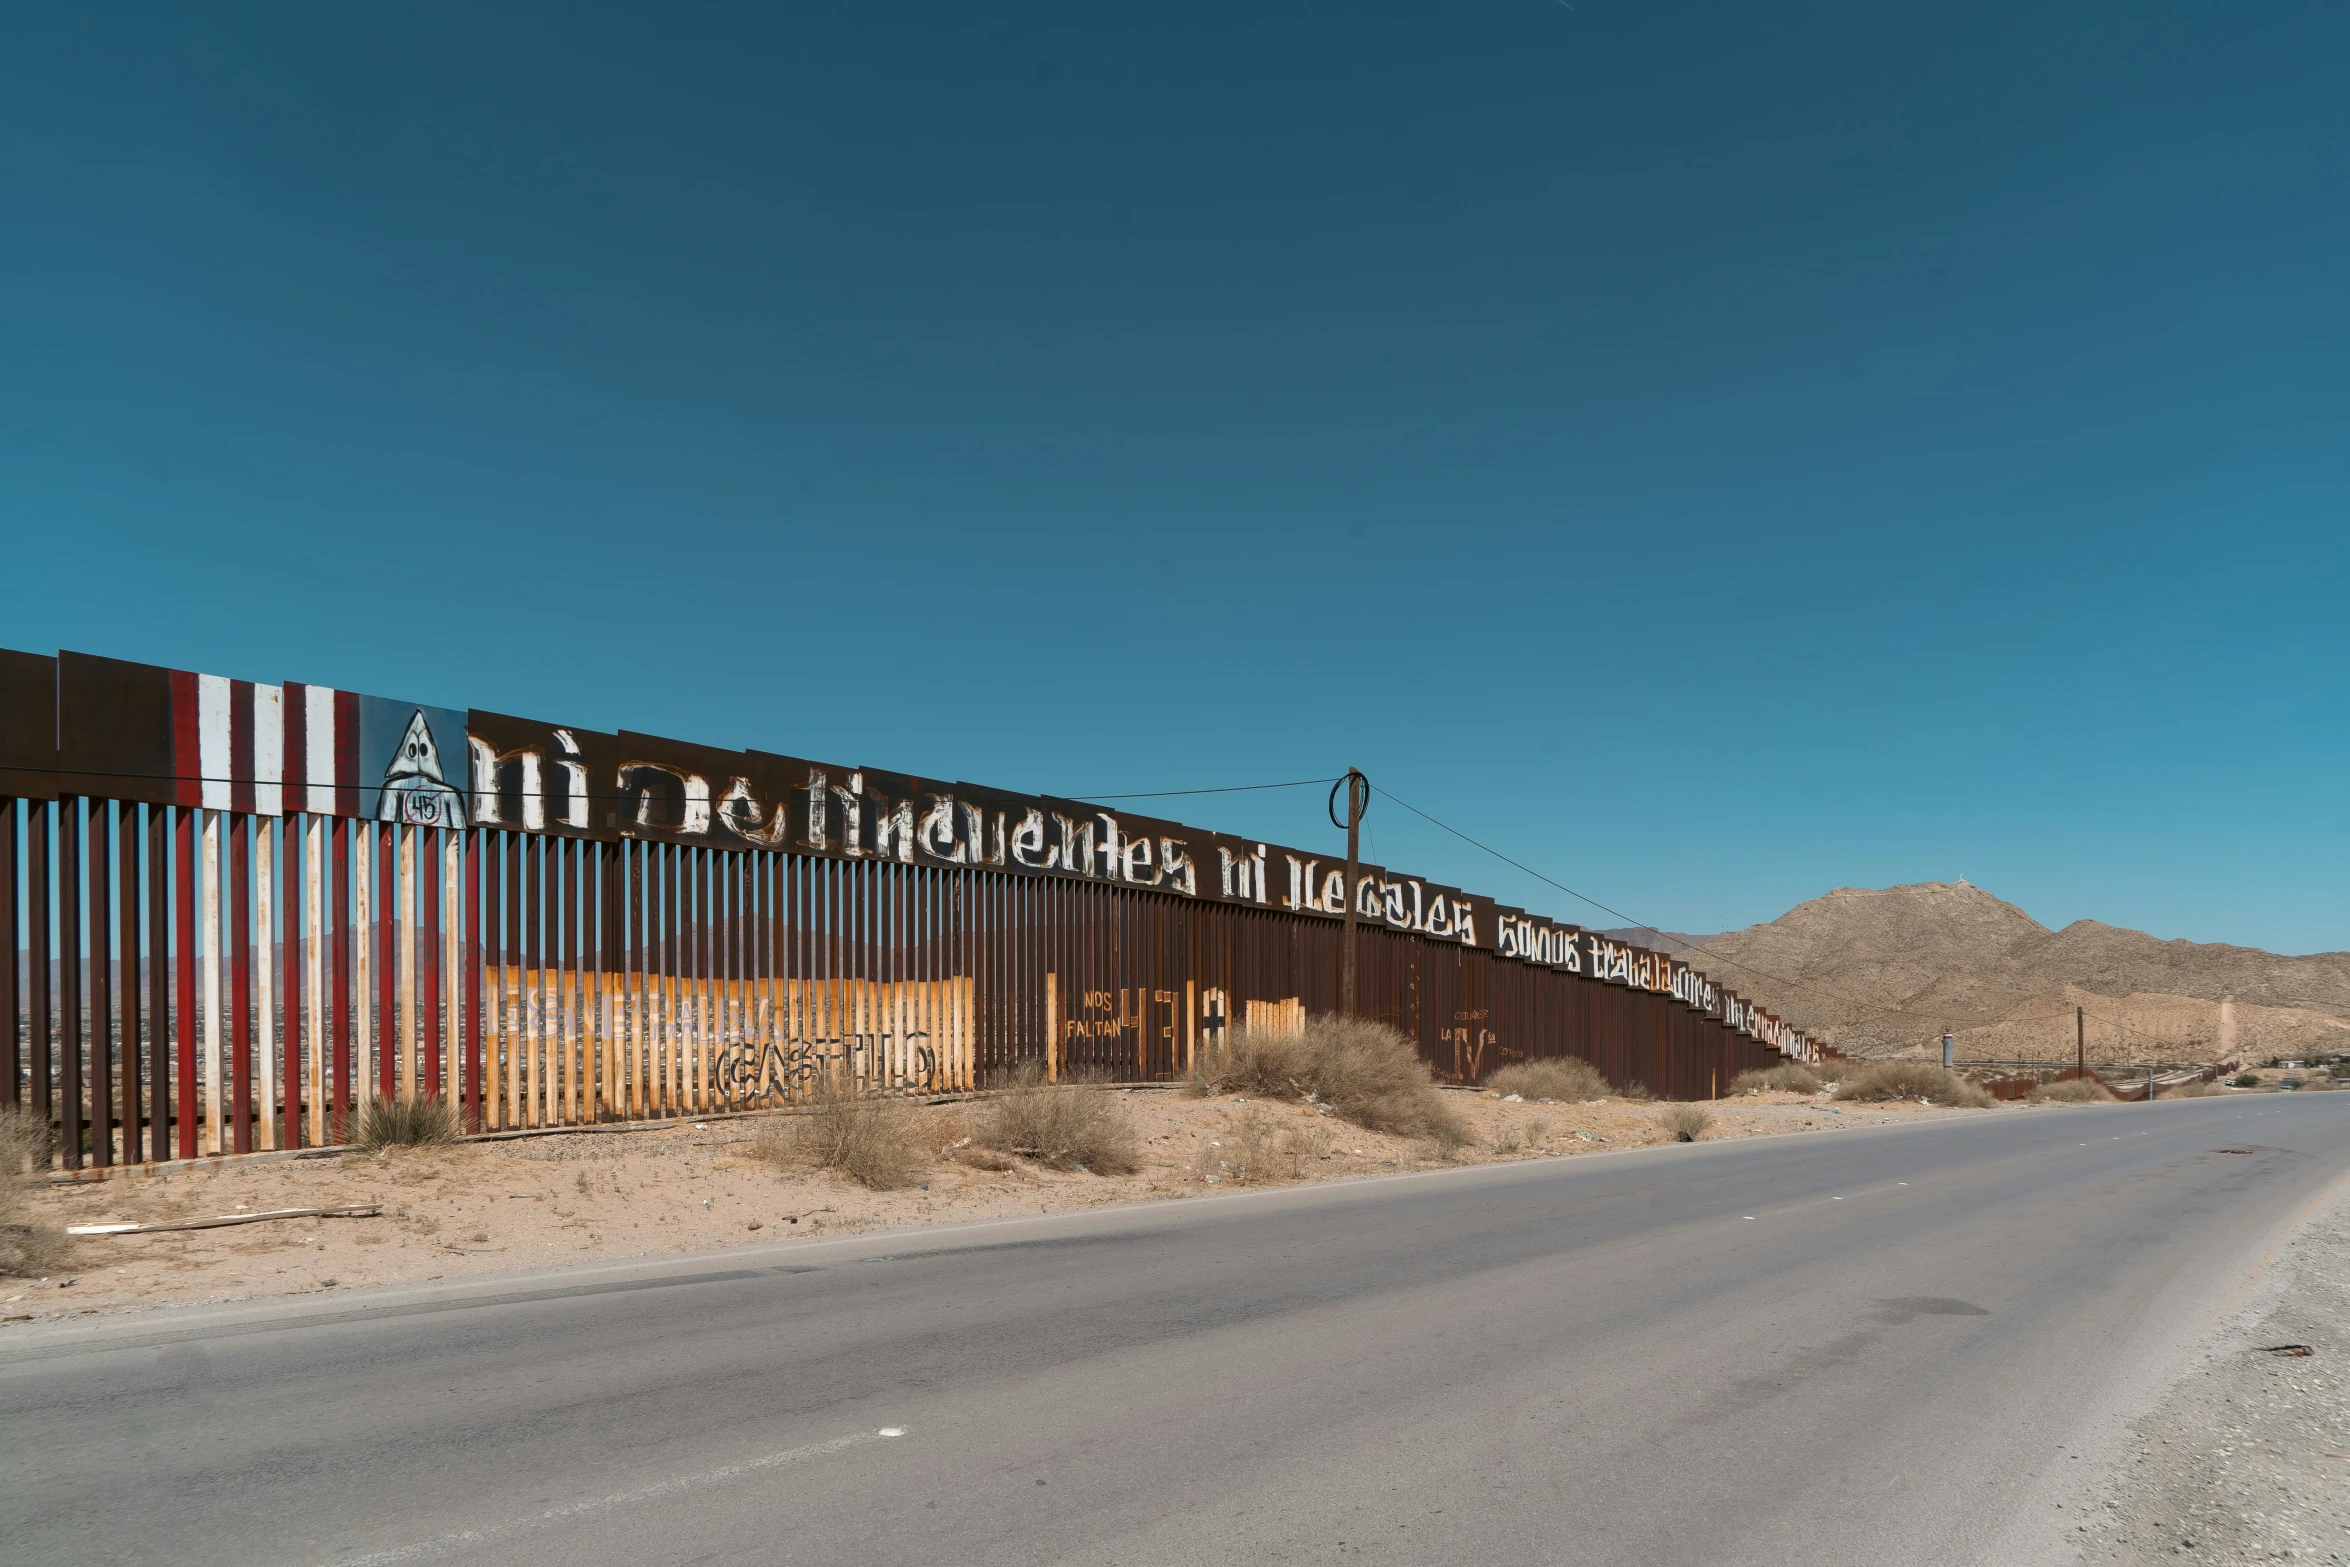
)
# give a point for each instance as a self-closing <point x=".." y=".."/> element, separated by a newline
<point x="236" y="912"/>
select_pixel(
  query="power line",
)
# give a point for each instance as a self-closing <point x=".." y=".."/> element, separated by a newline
<point x="1166" y="794"/>
<point x="1814" y="986"/>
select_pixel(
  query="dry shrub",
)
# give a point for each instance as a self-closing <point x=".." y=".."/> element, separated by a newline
<point x="975" y="1157"/>
<point x="1877" y="1081"/>
<point x="1558" y="1077"/>
<point x="1072" y="1126"/>
<point x="2071" y="1091"/>
<point x="1834" y="1070"/>
<point x="1686" y="1123"/>
<point x="1637" y="1092"/>
<point x="1255" y="1149"/>
<point x="1362" y="1071"/>
<point x="2198" y="1089"/>
<point x="1788" y="1077"/>
<point x="424" y="1121"/>
<point x="27" y="1249"/>
<point x="24" y="1144"/>
<point x="870" y="1138"/>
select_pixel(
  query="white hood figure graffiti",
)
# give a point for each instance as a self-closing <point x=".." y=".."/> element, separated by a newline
<point x="415" y="790"/>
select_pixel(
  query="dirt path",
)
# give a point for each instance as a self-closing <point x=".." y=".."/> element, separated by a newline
<point x="490" y="1207"/>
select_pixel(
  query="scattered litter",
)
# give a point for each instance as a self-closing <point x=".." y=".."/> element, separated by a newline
<point x="367" y="1211"/>
<point x="2215" y="1150"/>
<point x="2289" y="1350"/>
<point x="1513" y="1099"/>
<point x="755" y="1224"/>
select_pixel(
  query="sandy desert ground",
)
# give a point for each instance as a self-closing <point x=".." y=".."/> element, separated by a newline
<point x="487" y="1207"/>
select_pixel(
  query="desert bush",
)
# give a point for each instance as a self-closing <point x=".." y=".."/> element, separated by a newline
<point x="1788" y="1077"/>
<point x="1557" y="1077"/>
<point x="1833" y="1071"/>
<point x="1887" y="1080"/>
<point x="1256" y="1148"/>
<point x="1362" y="1071"/>
<point x="1636" y="1091"/>
<point x="27" y="1249"/>
<point x="24" y="1143"/>
<point x="1686" y="1123"/>
<point x="2071" y="1091"/>
<point x="1073" y="1126"/>
<point x="420" y="1122"/>
<point x="2245" y="1080"/>
<point x="2195" y="1089"/>
<point x="870" y="1138"/>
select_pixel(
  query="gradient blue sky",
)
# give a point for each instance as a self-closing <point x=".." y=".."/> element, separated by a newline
<point x="1716" y="452"/>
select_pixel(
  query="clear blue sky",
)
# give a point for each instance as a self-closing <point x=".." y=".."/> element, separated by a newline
<point x="1716" y="452"/>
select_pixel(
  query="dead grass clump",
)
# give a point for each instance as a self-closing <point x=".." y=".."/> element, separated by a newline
<point x="1071" y="1126"/>
<point x="1362" y="1071"/>
<point x="1788" y="1077"/>
<point x="1256" y="1149"/>
<point x="24" y="1144"/>
<point x="1686" y="1123"/>
<point x="2198" y="1089"/>
<point x="973" y="1156"/>
<point x="1881" y="1081"/>
<point x="870" y="1138"/>
<point x="1834" y="1070"/>
<point x="27" y="1249"/>
<point x="426" y="1121"/>
<point x="2071" y="1091"/>
<point x="1637" y="1092"/>
<point x="1558" y="1077"/>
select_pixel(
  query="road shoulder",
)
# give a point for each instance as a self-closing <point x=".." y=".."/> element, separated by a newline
<point x="2247" y="1458"/>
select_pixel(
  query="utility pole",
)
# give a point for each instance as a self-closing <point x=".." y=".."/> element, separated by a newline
<point x="1358" y="803"/>
<point x="2080" y="1044"/>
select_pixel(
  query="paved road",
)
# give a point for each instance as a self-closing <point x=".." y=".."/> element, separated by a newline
<point x="1853" y="1347"/>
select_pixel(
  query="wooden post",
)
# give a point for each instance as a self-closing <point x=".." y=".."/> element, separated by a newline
<point x="1052" y="1028"/>
<point x="1358" y="800"/>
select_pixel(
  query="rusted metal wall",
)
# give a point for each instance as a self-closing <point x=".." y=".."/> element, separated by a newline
<point x="236" y="913"/>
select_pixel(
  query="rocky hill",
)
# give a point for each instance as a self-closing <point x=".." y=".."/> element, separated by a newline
<point x="1884" y="971"/>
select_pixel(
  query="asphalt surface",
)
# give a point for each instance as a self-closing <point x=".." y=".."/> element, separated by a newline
<point x="1907" y="1345"/>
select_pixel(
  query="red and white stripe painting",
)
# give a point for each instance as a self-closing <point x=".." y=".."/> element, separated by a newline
<point x="322" y="750"/>
<point x="233" y="731"/>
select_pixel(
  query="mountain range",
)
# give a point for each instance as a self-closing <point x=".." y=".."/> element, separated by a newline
<point x="1883" y="971"/>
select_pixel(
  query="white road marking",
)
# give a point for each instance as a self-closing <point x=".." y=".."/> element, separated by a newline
<point x="466" y="1539"/>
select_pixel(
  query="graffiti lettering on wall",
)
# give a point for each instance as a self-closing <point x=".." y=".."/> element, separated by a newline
<point x="139" y="732"/>
<point x="1404" y="903"/>
<point x="910" y="1036"/>
<point x="1470" y="1040"/>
